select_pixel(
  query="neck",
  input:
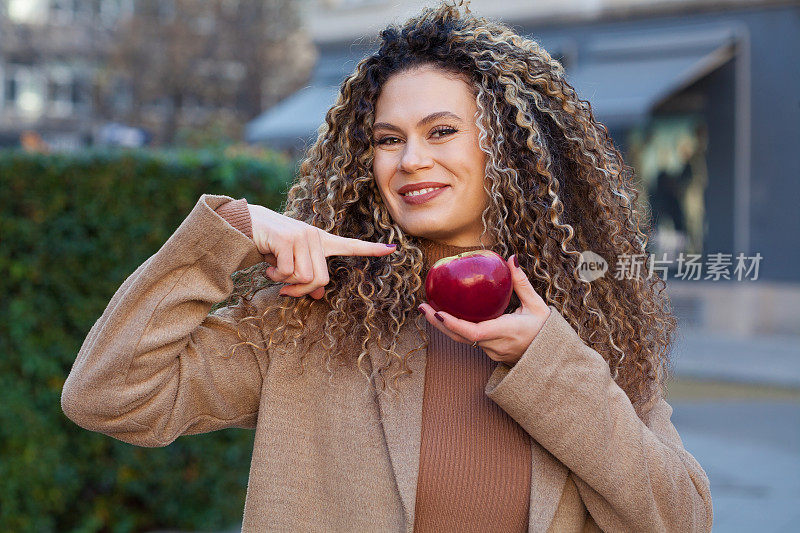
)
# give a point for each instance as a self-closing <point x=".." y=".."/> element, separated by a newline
<point x="433" y="251"/>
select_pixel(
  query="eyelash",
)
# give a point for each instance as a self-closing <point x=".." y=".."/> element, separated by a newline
<point x="439" y="130"/>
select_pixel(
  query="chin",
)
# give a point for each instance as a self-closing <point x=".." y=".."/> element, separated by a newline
<point x="422" y="224"/>
<point x="436" y="237"/>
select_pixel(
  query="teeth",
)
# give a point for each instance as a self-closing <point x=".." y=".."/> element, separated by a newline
<point x="421" y="191"/>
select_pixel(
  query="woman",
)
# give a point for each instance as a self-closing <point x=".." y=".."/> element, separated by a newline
<point x="548" y="418"/>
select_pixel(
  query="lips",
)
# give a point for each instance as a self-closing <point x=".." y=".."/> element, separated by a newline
<point x="417" y="186"/>
<point x="422" y="198"/>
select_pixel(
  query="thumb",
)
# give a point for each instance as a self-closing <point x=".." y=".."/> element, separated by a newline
<point x="522" y="286"/>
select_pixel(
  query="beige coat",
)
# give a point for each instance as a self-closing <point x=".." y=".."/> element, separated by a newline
<point x="337" y="456"/>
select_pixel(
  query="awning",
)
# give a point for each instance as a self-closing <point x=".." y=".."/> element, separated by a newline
<point x="294" y="120"/>
<point x="625" y="76"/>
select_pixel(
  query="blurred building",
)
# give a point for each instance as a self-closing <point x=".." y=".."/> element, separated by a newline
<point x="49" y="51"/>
<point x="700" y="95"/>
<point x="77" y="72"/>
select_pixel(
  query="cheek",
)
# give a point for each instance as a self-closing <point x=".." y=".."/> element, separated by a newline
<point x="473" y="173"/>
<point x="381" y="169"/>
<point x="478" y="160"/>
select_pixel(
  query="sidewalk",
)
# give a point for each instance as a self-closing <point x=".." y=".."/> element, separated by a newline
<point x="763" y="360"/>
<point x="748" y="449"/>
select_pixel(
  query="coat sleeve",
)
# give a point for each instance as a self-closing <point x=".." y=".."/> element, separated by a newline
<point x="156" y="364"/>
<point x="631" y="475"/>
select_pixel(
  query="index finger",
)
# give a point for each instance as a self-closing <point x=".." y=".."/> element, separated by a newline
<point x="337" y="245"/>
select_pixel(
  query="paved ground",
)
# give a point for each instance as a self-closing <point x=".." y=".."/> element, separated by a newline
<point x="736" y="404"/>
<point x="773" y="360"/>
<point x="750" y="450"/>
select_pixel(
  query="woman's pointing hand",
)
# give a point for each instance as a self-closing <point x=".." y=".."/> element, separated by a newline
<point x="297" y="251"/>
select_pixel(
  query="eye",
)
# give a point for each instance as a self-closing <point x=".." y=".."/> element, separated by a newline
<point x="383" y="140"/>
<point x="445" y="130"/>
<point x="441" y="131"/>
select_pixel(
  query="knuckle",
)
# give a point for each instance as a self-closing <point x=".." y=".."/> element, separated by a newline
<point x="280" y="240"/>
<point x="305" y="278"/>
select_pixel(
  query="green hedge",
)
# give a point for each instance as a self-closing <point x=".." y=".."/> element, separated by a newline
<point x="72" y="228"/>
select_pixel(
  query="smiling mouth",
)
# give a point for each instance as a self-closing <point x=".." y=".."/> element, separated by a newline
<point x="422" y="191"/>
<point x="423" y="196"/>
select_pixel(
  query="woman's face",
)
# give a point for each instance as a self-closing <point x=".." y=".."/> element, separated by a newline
<point x="425" y="132"/>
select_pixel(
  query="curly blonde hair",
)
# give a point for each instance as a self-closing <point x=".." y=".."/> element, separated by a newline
<point x="556" y="183"/>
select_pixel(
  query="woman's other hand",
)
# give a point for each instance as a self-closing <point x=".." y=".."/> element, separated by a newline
<point x="506" y="337"/>
<point x="297" y="251"/>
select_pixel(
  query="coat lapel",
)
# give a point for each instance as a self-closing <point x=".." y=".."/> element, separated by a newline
<point x="401" y="417"/>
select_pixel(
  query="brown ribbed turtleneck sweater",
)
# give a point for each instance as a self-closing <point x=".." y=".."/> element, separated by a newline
<point x="475" y="460"/>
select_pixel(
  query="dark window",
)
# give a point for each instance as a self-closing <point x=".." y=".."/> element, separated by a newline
<point x="11" y="89"/>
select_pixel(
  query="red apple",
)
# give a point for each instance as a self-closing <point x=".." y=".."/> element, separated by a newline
<point x="473" y="286"/>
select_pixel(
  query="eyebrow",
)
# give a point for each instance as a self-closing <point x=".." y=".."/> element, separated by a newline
<point x="430" y="118"/>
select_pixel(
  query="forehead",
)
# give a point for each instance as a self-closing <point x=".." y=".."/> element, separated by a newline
<point x="415" y="93"/>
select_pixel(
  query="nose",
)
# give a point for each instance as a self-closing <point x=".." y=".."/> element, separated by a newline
<point x="414" y="157"/>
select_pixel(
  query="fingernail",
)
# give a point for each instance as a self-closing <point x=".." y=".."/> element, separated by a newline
<point x="421" y="309"/>
<point x="516" y="261"/>
<point x="440" y="317"/>
<point x="391" y="245"/>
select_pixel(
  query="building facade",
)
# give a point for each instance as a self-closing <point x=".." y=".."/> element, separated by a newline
<point x="78" y="72"/>
<point x="49" y="52"/>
